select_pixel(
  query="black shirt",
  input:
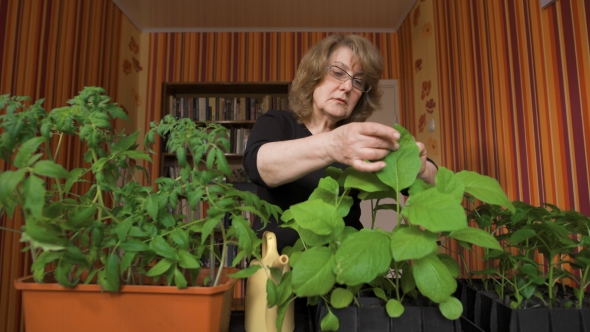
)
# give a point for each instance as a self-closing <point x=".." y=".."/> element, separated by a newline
<point x="274" y="126"/>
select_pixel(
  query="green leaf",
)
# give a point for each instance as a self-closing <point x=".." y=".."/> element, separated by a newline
<point x="525" y="289"/>
<point x="271" y="293"/>
<point x="402" y="165"/>
<point x="9" y="181"/>
<point x="24" y="155"/>
<point x="285" y="288"/>
<point x="45" y="236"/>
<point x="180" y="237"/>
<point x="137" y="155"/>
<point x="345" y="204"/>
<point x="246" y="272"/>
<point x="522" y="235"/>
<point x="412" y="243"/>
<point x="179" y="279"/>
<point x="34" y="191"/>
<point x="436" y="211"/>
<point x="476" y="236"/>
<point x="451" y="308"/>
<point x="162" y="248"/>
<point x="187" y="260"/>
<point x="318" y="216"/>
<point x="380" y="293"/>
<point x="210" y="160"/>
<point x="125" y="143"/>
<point x="135" y="231"/>
<point x="244" y="233"/>
<point x="408" y="281"/>
<point x="73" y="177"/>
<point x="50" y="169"/>
<point x="313" y="275"/>
<point x="333" y="172"/>
<point x="451" y="264"/>
<point x="161" y="267"/>
<point x="62" y="273"/>
<point x="368" y="182"/>
<point x="394" y="308"/>
<point x="330" y="322"/>
<point x="151" y="205"/>
<point x="123" y="228"/>
<point x="447" y="183"/>
<point x="45" y="258"/>
<point x="134" y="245"/>
<point x="127" y="260"/>
<point x="75" y="256"/>
<point x="354" y="266"/>
<point x="329" y="185"/>
<point x="222" y="164"/>
<point x="312" y="239"/>
<point x="418" y="186"/>
<point x="109" y="277"/>
<point x="341" y="298"/>
<point x="81" y="216"/>
<point x="433" y="279"/>
<point x="281" y="312"/>
<point x="166" y="218"/>
<point x="485" y="188"/>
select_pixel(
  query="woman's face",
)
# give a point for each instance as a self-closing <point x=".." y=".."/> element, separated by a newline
<point x="334" y="99"/>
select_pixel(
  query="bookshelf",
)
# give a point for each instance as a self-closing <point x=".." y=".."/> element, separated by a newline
<point x="233" y="105"/>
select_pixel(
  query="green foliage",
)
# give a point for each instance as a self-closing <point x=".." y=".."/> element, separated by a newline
<point x="527" y="232"/>
<point x="85" y="237"/>
<point x="396" y="264"/>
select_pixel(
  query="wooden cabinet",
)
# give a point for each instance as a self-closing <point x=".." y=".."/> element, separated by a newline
<point x="233" y="105"/>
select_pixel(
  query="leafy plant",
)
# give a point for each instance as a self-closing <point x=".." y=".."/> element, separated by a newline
<point x="334" y="262"/>
<point x="530" y="232"/>
<point x="118" y="231"/>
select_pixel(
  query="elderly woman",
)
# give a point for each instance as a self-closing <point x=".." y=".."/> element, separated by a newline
<point x="334" y="91"/>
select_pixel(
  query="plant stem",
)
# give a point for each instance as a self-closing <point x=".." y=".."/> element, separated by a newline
<point x="582" y="286"/>
<point x="61" y="135"/>
<point x="550" y="285"/>
<point x="10" y="230"/>
<point x="212" y="258"/>
<point x="373" y="214"/>
<point x="397" y="277"/>
<point x="223" y="253"/>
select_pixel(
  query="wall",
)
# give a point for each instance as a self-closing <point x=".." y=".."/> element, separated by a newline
<point x="514" y="87"/>
<point x="422" y="66"/>
<point x="51" y="50"/>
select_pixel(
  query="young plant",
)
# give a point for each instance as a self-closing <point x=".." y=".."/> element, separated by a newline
<point x="334" y="262"/>
<point x="529" y="232"/>
<point x="98" y="224"/>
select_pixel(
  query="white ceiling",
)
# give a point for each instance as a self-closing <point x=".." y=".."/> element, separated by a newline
<point x="266" y="15"/>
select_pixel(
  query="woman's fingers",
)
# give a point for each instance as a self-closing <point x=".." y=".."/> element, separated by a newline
<point x="356" y="143"/>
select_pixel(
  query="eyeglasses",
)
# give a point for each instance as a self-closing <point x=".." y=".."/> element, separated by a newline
<point x="343" y="76"/>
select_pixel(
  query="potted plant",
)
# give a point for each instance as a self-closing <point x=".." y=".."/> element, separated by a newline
<point x="528" y="295"/>
<point x="118" y="240"/>
<point x="336" y="265"/>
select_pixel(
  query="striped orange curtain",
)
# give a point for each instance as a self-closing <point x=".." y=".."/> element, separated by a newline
<point x="51" y="50"/>
<point x="514" y="96"/>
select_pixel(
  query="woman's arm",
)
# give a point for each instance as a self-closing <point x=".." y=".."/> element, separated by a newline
<point x="285" y="161"/>
<point x="276" y="156"/>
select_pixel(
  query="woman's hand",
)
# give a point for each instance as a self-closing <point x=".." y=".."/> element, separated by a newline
<point x="356" y="143"/>
<point x="427" y="171"/>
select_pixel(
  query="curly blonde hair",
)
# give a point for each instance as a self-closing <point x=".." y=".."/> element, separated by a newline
<point x="313" y="68"/>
